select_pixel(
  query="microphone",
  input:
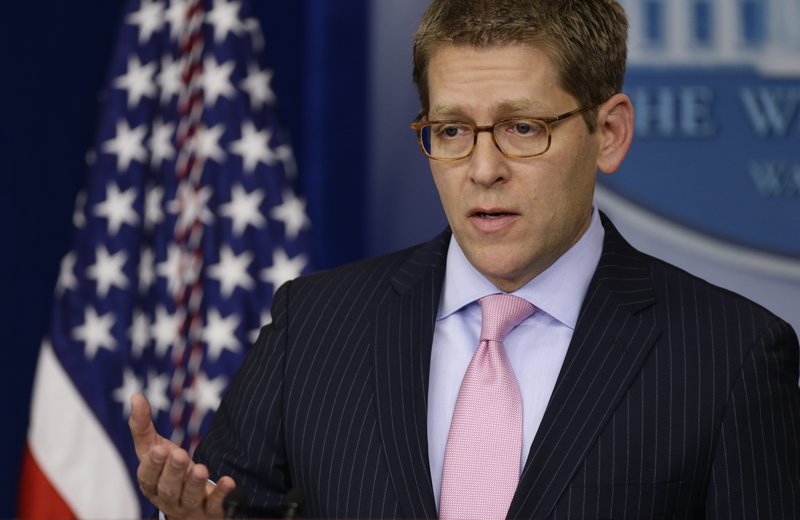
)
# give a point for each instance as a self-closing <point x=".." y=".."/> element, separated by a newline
<point x="236" y="506"/>
<point x="230" y="506"/>
<point x="294" y="503"/>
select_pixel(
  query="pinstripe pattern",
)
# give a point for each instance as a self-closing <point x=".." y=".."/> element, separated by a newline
<point x="332" y="399"/>
<point x="676" y="399"/>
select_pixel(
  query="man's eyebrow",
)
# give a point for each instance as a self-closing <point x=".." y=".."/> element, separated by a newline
<point x="516" y="105"/>
<point x="446" y="109"/>
<point x="512" y="105"/>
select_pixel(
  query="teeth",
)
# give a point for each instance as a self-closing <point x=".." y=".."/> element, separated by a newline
<point x="491" y="215"/>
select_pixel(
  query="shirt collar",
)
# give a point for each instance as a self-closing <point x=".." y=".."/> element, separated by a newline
<point x="558" y="291"/>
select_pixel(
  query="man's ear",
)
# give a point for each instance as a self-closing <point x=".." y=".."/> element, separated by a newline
<point x="615" y="127"/>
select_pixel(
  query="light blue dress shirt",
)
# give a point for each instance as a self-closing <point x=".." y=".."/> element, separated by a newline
<point x="536" y="348"/>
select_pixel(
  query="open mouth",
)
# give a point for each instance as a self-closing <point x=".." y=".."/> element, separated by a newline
<point x="493" y="215"/>
<point x="492" y="221"/>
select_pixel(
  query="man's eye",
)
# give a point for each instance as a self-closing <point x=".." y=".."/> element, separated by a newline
<point x="525" y="128"/>
<point x="450" y="131"/>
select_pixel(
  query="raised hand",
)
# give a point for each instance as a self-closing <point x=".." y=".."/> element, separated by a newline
<point x="178" y="487"/>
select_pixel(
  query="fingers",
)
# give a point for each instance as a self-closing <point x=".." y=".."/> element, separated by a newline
<point x="194" y="488"/>
<point x="167" y="476"/>
<point x="180" y="488"/>
<point x="141" y="425"/>
<point x="151" y="464"/>
<point x="171" y="482"/>
<point x="216" y="498"/>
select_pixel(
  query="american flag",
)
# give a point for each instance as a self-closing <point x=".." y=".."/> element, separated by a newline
<point x="187" y="226"/>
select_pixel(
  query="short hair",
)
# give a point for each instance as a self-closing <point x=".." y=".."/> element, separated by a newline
<point x="585" y="39"/>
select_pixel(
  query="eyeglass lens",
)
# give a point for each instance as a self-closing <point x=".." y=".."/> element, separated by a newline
<point x="520" y="137"/>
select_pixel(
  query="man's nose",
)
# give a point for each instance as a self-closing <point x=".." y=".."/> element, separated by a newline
<point x="487" y="163"/>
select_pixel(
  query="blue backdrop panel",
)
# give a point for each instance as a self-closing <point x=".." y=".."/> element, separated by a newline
<point x="55" y="56"/>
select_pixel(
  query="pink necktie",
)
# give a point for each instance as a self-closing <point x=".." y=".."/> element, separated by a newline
<point x="482" y="457"/>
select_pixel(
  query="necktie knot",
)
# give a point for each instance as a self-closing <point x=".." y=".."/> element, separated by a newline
<point x="501" y="313"/>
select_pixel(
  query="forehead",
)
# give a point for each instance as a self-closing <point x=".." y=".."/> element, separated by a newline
<point x="467" y="80"/>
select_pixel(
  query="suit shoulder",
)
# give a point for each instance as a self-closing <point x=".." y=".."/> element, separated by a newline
<point x="680" y="287"/>
<point x="374" y="276"/>
<point x="376" y="266"/>
<point x="687" y="307"/>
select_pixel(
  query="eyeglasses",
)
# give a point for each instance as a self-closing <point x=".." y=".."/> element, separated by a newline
<point x="517" y="137"/>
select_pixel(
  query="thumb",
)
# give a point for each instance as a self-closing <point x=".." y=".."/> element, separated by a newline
<point x="141" y="425"/>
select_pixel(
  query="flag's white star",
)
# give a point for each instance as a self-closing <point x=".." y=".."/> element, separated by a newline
<point x="206" y="394"/>
<point x="256" y="84"/>
<point x="137" y="81"/>
<point x="220" y="334"/>
<point x="153" y="209"/>
<point x="286" y="156"/>
<point x="292" y="212"/>
<point x="107" y="270"/>
<point x="157" y="392"/>
<point x="117" y="208"/>
<point x="225" y="19"/>
<point x="169" y="79"/>
<point x="95" y="333"/>
<point x="217" y="80"/>
<point x="253" y="147"/>
<point x="253" y="26"/>
<point x="130" y="385"/>
<point x="266" y="319"/>
<point x="78" y="215"/>
<point x="165" y="329"/>
<point x="244" y="209"/>
<point x="283" y="268"/>
<point x="171" y="269"/>
<point x="147" y="274"/>
<point x="231" y="271"/>
<point x="139" y="333"/>
<point x="66" y="276"/>
<point x="191" y="205"/>
<point x="127" y="145"/>
<point x="161" y="143"/>
<point x="208" y="143"/>
<point x="176" y="16"/>
<point x="149" y="18"/>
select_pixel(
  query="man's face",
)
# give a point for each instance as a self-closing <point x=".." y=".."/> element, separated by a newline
<point x="511" y="217"/>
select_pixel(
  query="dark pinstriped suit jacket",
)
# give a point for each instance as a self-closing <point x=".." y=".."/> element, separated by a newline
<point x="676" y="399"/>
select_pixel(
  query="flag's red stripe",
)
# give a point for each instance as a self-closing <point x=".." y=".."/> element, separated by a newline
<point x="38" y="499"/>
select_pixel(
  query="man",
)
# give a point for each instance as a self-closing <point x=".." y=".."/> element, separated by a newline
<point x="638" y="390"/>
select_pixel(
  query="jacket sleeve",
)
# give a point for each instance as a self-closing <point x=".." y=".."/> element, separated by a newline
<point x="246" y="438"/>
<point x="756" y="462"/>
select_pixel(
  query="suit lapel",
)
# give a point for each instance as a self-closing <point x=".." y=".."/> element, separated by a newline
<point x="610" y="342"/>
<point x="403" y="337"/>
